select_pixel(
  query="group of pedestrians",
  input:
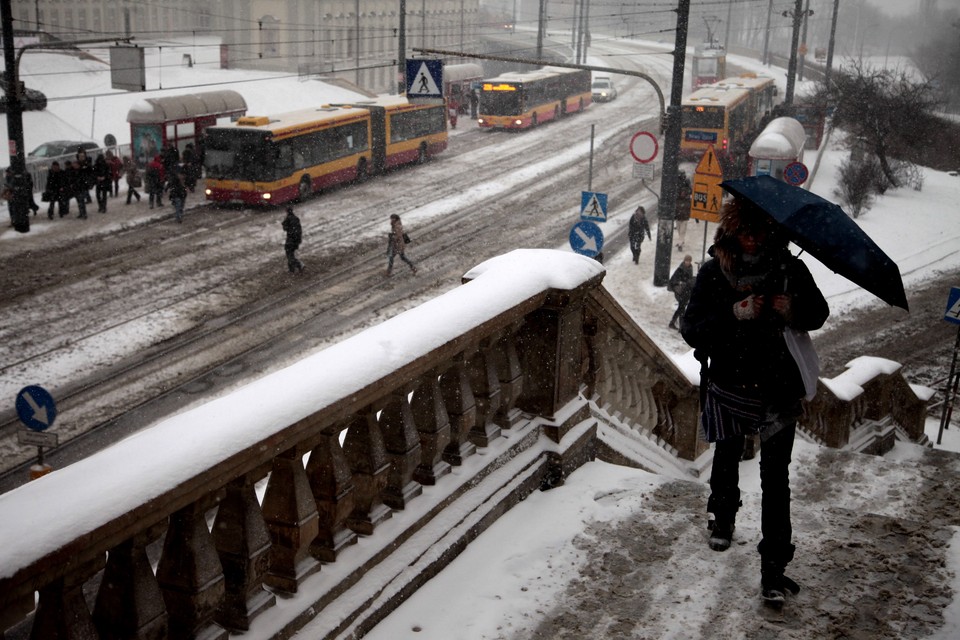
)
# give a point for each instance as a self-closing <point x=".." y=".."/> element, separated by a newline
<point x="74" y="179"/>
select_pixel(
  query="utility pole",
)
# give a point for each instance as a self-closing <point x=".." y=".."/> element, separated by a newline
<point x="766" y="36"/>
<point x="797" y="14"/>
<point x="726" y="36"/>
<point x="671" y="147"/>
<point x="833" y="35"/>
<point x="541" y="28"/>
<point x="402" y="50"/>
<point x="21" y="183"/>
<point x="803" y="41"/>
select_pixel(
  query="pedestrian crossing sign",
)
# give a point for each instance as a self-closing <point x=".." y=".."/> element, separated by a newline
<point x="952" y="313"/>
<point x="593" y="206"/>
<point x="425" y="79"/>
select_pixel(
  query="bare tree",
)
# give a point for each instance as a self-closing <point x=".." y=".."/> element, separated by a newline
<point x="889" y="111"/>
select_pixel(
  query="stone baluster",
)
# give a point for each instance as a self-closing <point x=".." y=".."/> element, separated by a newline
<point x="129" y="602"/>
<point x="461" y="410"/>
<point x="486" y="395"/>
<point x="190" y="576"/>
<point x="243" y="543"/>
<point x="402" y="444"/>
<point x="333" y="491"/>
<point x="62" y="612"/>
<point x="550" y="348"/>
<point x="367" y="457"/>
<point x="433" y="425"/>
<point x="291" y="516"/>
<point x="510" y="375"/>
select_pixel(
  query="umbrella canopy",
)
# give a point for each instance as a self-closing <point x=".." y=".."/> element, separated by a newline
<point x="824" y="230"/>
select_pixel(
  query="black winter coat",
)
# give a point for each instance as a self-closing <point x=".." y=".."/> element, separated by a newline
<point x="291" y="224"/>
<point x="750" y="357"/>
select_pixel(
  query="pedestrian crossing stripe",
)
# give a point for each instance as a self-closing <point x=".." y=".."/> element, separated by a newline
<point x="423" y="83"/>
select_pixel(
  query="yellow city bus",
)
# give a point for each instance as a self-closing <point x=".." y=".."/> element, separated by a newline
<point x="275" y="159"/>
<point x="519" y="100"/>
<point x="725" y="114"/>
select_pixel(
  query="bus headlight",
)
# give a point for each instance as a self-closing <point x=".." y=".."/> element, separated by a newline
<point x="479" y="120"/>
<point x="209" y="192"/>
<point x="265" y="196"/>
<point x="518" y="122"/>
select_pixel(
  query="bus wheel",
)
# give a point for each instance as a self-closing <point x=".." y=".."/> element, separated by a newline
<point x="422" y="154"/>
<point x="556" y="113"/>
<point x="563" y="108"/>
<point x="581" y="105"/>
<point x="305" y="188"/>
<point x="533" y="120"/>
<point x="362" y="170"/>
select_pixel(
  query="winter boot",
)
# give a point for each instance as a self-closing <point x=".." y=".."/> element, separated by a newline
<point x="721" y="533"/>
<point x="774" y="585"/>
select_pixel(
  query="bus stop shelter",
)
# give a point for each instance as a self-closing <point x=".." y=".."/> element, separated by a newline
<point x="155" y="123"/>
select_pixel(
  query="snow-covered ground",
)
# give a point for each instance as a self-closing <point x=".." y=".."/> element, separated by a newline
<point x="919" y="230"/>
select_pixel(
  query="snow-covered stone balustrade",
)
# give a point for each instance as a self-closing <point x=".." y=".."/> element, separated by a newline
<point x="323" y="494"/>
<point x="339" y="484"/>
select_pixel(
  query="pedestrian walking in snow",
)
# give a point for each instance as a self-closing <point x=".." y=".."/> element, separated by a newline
<point x="681" y="284"/>
<point x="116" y="170"/>
<point x="77" y="185"/>
<point x="294" y="235"/>
<point x="396" y="241"/>
<point x="84" y="168"/>
<point x="744" y="300"/>
<point x="638" y="227"/>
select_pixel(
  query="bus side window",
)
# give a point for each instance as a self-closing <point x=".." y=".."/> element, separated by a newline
<point x="284" y="158"/>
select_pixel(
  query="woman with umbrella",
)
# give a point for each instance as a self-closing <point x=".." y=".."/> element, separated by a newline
<point x="744" y="300"/>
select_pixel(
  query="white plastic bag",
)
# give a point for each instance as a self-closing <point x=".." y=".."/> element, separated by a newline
<point x="801" y="348"/>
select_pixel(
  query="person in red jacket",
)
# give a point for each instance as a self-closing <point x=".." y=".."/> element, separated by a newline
<point x="155" y="179"/>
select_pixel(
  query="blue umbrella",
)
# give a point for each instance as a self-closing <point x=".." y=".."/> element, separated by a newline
<point x="824" y="230"/>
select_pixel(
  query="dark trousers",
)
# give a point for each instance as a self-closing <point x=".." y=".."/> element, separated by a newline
<point x="681" y="307"/>
<point x="103" y="192"/>
<point x="775" y="453"/>
<point x="292" y="263"/>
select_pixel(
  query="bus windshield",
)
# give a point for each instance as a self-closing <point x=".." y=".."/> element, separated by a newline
<point x="502" y="103"/>
<point x="233" y="154"/>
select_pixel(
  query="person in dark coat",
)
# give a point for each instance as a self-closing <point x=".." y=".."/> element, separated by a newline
<point x="638" y="227"/>
<point x="681" y="284"/>
<point x="57" y="190"/>
<point x="84" y="168"/>
<point x="294" y="236"/>
<point x="103" y="182"/>
<point x="190" y="169"/>
<point x="153" y="177"/>
<point x="170" y="159"/>
<point x="116" y="170"/>
<point x="134" y="180"/>
<point x="396" y="240"/>
<point x="178" y="194"/>
<point x="77" y="185"/>
<point x="743" y="300"/>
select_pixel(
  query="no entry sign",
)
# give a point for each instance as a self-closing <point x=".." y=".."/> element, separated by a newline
<point x="644" y="147"/>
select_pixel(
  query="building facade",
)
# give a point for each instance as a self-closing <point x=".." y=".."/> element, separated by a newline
<point x="357" y="40"/>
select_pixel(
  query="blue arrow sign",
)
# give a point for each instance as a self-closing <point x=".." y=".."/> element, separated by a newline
<point x="952" y="313"/>
<point x="36" y="408"/>
<point x="586" y="238"/>
<point x="593" y="206"/>
<point x="425" y="78"/>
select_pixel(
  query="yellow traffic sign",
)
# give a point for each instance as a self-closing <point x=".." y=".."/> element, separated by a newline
<point x="709" y="165"/>
<point x="707" y="192"/>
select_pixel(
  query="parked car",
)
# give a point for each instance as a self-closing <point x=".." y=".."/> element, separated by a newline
<point x="603" y="89"/>
<point x="57" y="148"/>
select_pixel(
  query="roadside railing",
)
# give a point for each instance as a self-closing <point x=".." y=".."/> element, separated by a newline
<point x="414" y="436"/>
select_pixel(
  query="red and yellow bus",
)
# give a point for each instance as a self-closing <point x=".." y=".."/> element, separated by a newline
<point x="725" y="114"/>
<point x="519" y="100"/>
<point x="275" y="159"/>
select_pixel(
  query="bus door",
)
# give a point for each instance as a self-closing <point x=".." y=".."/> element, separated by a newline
<point x="378" y="135"/>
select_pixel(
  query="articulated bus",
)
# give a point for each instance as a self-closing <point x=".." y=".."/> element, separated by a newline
<point x="519" y="100"/>
<point x="725" y="114"/>
<point x="274" y="159"/>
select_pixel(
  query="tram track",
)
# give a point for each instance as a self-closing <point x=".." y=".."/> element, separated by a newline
<point x="263" y="317"/>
